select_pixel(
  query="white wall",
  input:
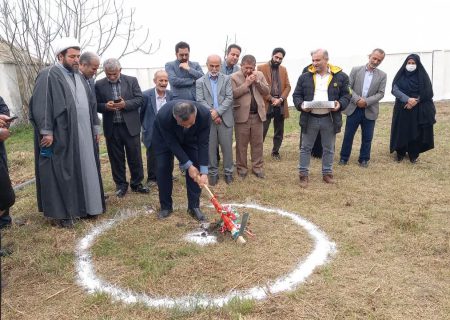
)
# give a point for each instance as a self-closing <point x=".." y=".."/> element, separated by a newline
<point x="9" y="88"/>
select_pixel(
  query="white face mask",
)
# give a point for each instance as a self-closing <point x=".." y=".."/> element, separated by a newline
<point x="411" y="67"/>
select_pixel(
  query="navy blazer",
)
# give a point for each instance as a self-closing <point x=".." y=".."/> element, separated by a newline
<point x="148" y="114"/>
<point x="170" y="136"/>
<point x="131" y="93"/>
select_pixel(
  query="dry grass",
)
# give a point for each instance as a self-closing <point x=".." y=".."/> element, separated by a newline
<point x="390" y="223"/>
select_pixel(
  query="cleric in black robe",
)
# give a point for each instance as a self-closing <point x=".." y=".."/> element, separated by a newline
<point x="66" y="124"/>
<point x="414" y="110"/>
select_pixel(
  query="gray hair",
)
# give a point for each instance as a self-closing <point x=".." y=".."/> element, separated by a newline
<point x="111" y="64"/>
<point x="381" y="51"/>
<point x="87" y="57"/>
<point x="248" y="59"/>
<point x="184" y="110"/>
<point x="323" y="51"/>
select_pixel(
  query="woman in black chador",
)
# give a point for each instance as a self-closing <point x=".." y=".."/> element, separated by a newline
<point x="414" y="110"/>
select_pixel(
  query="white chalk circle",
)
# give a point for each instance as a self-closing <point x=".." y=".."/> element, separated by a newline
<point x="322" y="251"/>
<point x="201" y="238"/>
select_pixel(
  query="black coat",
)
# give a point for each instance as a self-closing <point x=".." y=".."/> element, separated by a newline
<point x="338" y="90"/>
<point x="7" y="196"/>
<point x="169" y="136"/>
<point x="131" y="93"/>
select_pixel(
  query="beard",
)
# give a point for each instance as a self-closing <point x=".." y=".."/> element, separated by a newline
<point x="71" y="67"/>
<point x="275" y="64"/>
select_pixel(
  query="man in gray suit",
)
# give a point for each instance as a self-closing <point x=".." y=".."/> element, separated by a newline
<point x="154" y="99"/>
<point x="183" y="73"/>
<point x="214" y="91"/>
<point x="367" y="84"/>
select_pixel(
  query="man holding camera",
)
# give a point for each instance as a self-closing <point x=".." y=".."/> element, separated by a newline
<point x="119" y="98"/>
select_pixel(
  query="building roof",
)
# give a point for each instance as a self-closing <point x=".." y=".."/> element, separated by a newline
<point x="7" y="57"/>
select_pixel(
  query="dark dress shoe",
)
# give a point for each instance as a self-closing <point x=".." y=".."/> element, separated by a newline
<point x="89" y="217"/>
<point x="343" y="162"/>
<point x="121" y="193"/>
<point x="228" y="179"/>
<point x="197" y="214"/>
<point x="259" y="175"/>
<point x="66" y="223"/>
<point x="413" y="157"/>
<point x="164" y="213"/>
<point x="212" y="180"/>
<point x="364" y="163"/>
<point x="276" y="156"/>
<point x="242" y="175"/>
<point x="140" y="189"/>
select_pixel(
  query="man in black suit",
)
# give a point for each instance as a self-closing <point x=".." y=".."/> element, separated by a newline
<point x="119" y="98"/>
<point x="182" y="129"/>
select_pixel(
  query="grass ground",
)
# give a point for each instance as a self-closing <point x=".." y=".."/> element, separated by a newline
<point x="390" y="222"/>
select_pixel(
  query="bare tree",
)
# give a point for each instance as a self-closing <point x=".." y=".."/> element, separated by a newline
<point x="29" y="27"/>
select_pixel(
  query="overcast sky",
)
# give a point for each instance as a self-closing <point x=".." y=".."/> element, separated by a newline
<point x="345" y="28"/>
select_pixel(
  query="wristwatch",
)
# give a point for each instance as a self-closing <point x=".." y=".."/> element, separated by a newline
<point x="281" y="98"/>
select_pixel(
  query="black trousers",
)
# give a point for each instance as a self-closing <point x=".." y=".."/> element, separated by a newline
<point x="7" y="196"/>
<point x="122" y="144"/>
<point x="164" y="165"/>
<point x="278" y="127"/>
<point x="151" y="164"/>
